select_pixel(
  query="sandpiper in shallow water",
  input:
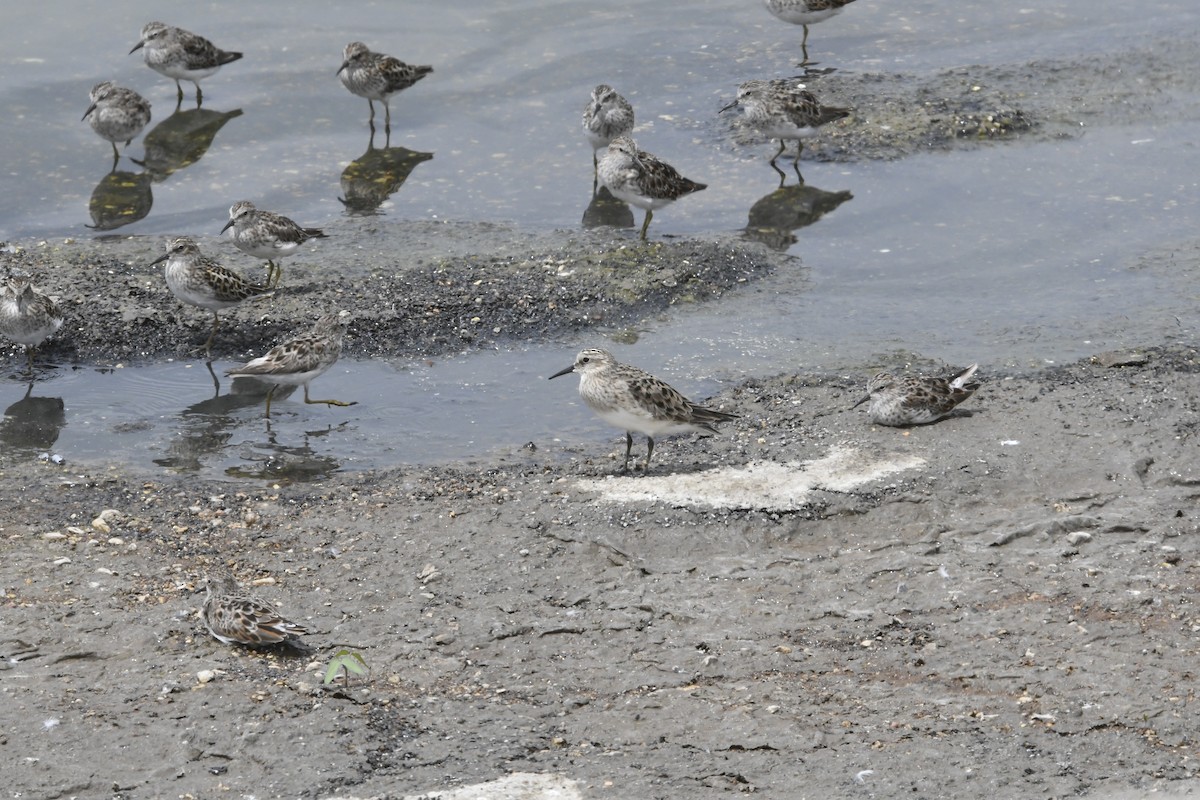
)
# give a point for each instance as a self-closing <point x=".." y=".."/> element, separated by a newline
<point x="265" y="234"/>
<point x="197" y="280"/>
<point x="300" y="360"/>
<point x="805" y="12"/>
<point x="606" y="116"/>
<point x="116" y="114"/>
<point x="376" y="76"/>
<point x="641" y="179"/>
<point x="634" y="400"/>
<point x="784" y="110"/>
<point x="916" y="400"/>
<point x="235" y="616"/>
<point x="181" y="55"/>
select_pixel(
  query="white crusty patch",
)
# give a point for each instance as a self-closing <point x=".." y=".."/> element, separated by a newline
<point x="766" y="485"/>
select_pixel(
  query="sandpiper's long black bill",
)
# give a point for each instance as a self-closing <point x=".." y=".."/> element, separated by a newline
<point x="561" y="372"/>
<point x="862" y="400"/>
<point x="228" y="225"/>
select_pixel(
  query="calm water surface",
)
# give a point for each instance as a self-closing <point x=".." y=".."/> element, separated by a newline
<point x="1018" y="253"/>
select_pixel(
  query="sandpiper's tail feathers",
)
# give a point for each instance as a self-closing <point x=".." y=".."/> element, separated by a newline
<point x="830" y="114"/>
<point x="708" y="418"/>
<point x="959" y="381"/>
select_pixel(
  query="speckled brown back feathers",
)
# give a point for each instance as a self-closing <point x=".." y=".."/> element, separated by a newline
<point x="237" y="617"/>
<point x="916" y="400"/>
<point x="665" y="402"/>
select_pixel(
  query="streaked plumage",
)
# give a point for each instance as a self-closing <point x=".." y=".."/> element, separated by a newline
<point x="641" y="179"/>
<point x="300" y="360"/>
<point x="27" y="316"/>
<point x="376" y="76"/>
<point x="633" y="400"/>
<point x="116" y="114"/>
<point x="917" y="400"/>
<point x="606" y="116"/>
<point x="181" y="55"/>
<point x="199" y="281"/>
<point x="265" y="234"/>
<point x="238" y="617"/>
<point x="805" y="12"/>
<point x="784" y="110"/>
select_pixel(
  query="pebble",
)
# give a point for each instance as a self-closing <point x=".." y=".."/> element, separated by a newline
<point x="1079" y="537"/>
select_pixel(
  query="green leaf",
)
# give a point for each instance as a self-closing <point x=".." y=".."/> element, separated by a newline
<point x="347" y="661"/>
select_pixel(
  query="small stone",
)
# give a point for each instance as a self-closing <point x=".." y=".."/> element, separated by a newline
<point x="53" y="536"/>
<point x="207" y="675"/>
<point x="1115" y="358"/>
<point x="1079" y="537"/>
<point x="101" y="525"/>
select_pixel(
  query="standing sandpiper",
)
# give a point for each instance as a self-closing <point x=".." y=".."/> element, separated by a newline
<point x="300" y="360"/>
<point x="805" y="12"/>
<point x="181" y="55"/>
<point x="783" y="110"/>
<point x="376" y="76"/>
<point x="197" y="280"/>
<point x="640" y="179"/>
<point x="116" y="114"/>
<point x="26" y="315"/>
<point x="633" y="400"/>
<point x="265" y="234"/>
<point x="606" y="116"/>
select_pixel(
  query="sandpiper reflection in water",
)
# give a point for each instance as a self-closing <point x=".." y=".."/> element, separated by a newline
<point x="789" y="208"/>
<point x="369" y="180"/>
<point x="120" y="198"/>
<point x="181" y="140"/>
<point x="32" y="424"/>
<point x="606" y="211"/>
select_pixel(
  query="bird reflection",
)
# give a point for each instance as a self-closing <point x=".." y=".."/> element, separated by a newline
<point x="208" y="425"/>
<point x="373" y="177"/>
<point x="120" y="198"/>
<point x="181" y="139"/>
<point x="32" y="424"/>
<point x="277" y="462"/>
<point x="789" y="208"/>
<point x="607" y="211"/>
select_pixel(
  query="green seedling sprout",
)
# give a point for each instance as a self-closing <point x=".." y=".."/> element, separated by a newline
<point x="345" y="662"/>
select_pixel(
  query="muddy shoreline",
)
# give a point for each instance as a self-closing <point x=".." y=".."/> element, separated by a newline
<point x="1010" y="612"/>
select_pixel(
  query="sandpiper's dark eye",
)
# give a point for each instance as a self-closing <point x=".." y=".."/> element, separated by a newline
<point x="584" y="360"/>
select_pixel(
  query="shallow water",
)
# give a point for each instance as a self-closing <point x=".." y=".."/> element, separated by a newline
<point x="184" y="418"/>
<point x="1017" y="253"/>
